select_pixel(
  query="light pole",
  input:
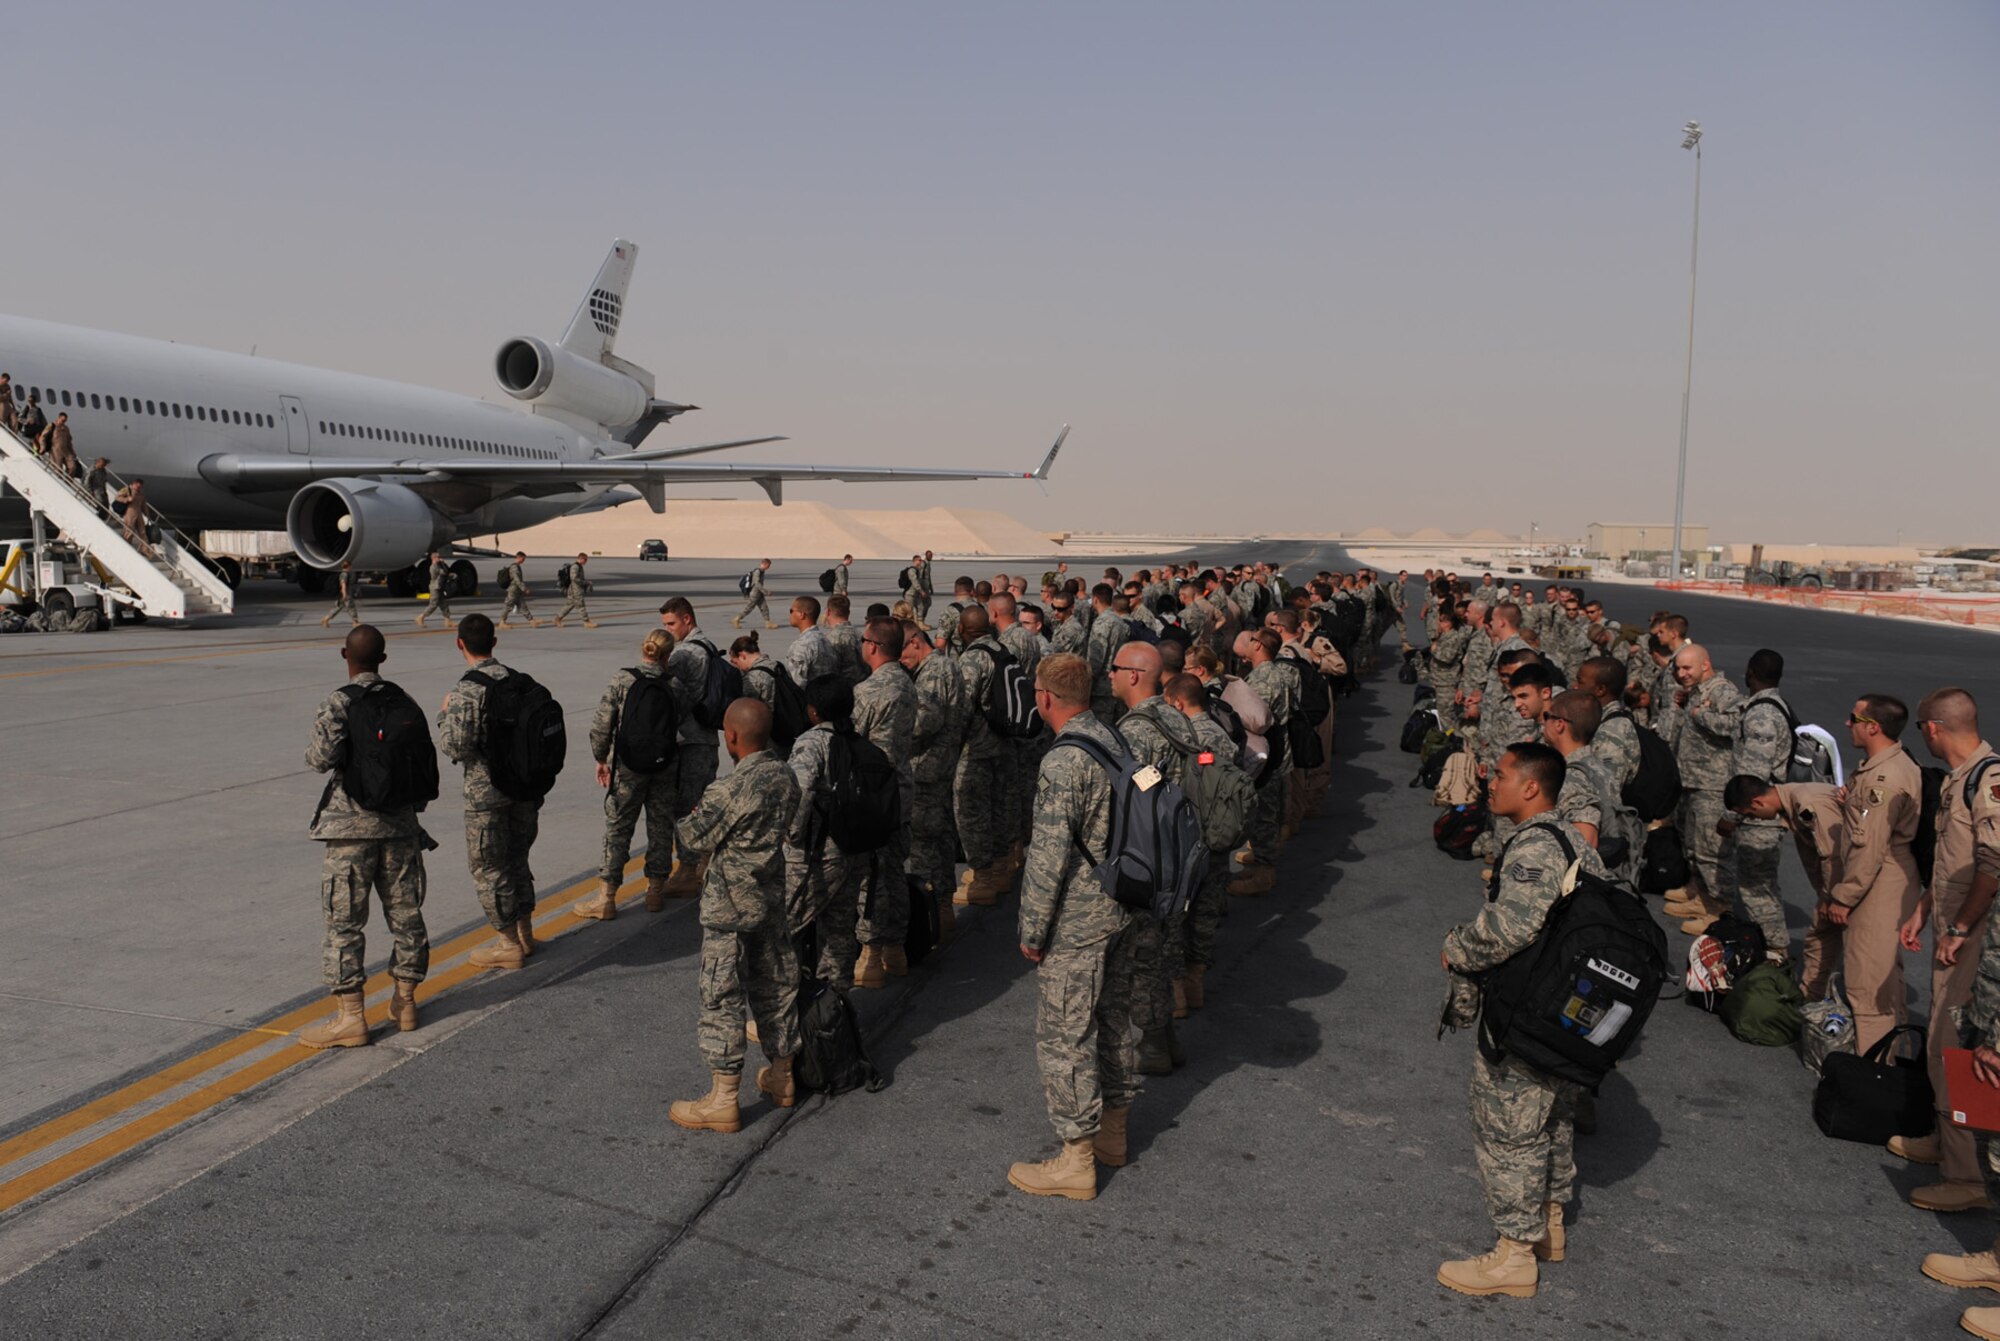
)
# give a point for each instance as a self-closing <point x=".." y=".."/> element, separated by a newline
<point x="1692" y="140"/>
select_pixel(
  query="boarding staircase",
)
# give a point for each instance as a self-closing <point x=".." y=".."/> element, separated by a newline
<point x="166" y="578"/>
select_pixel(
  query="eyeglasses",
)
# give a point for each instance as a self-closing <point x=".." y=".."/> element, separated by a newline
<point x="870" y="642"/>
<point x="1136" y="670"/>
<point x="1856" y="719"/>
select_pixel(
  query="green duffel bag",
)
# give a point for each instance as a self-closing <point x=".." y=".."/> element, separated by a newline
<point x="1765" y="1007"/>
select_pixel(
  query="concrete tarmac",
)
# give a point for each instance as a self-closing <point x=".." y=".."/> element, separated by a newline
<point x="508" y="1169"/>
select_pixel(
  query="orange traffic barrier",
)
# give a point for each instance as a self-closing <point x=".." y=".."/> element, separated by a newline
<point x="1972" y="610"/>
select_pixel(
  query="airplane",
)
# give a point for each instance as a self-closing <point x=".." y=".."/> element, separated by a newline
<point x="378" y="473"/>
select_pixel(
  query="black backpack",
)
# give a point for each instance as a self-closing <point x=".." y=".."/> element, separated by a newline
<point x="563" y="576"/>
<point x="904" y="580"/>
<point x="1655" y="789"/>
<point x="1572" y="1003"/>
<point x="866" y="808"/>
<point x="925" y="926"/>
<point x="1010" y="696"/>
<point x="1458" y="829"/>
<point x="526" y="740"/>
<point x="826" y="580"/>
<point x="788" y="705"/>
<point x="391" y="762"/>
<point x="1663" y="863"/>
<point x="1302" y="743"/>
<point x="1315" y="697"/>
<point x="721" y="686"/>
<point x="831" y="1057"/>
<point x="1407" y="672"/>
<point x="1156" y="857"/>
<point x="1924" y="846"/>
<point x="648" y="725"/>
<point x="1416" y="727"/>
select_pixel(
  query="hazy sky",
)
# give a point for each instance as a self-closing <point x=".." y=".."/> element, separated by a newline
<point x="1284" y="267"/>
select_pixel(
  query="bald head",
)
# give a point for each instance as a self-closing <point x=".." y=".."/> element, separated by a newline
<point x="746" y="727"/>
<point x="974" y="623"/>
<point x="1135" y="673"/>
<point x="365" y="647"/>
<point x="1691" y="664"/>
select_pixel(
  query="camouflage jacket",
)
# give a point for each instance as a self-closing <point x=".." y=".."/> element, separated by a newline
<point x="579" y="580"/>
<point x="1068" y="636"/>
<point x="1201" y="619"/>
<point x="340" y="818"/>
<point x="1210" y="735"/>
<point x="462" y="737"/>
<point x="940" y="730"/>
<point x="1496" y="701"/>
<point x="1063" y="907"/>
<point x="808" y="764"/>
<point x="1448" y="659"/>
<point x="1027" y="647"/>
<point x="440" y="572"/>
<point x="921" y="580"/>
<point x="1617" y="744"/>
<point x="845" y="640"/>
<point x="741" y="824"/>
<point x="1708" y="734"/>
<point x="1108" y="633"/>
<point x="687" y="667"/>
<point x="512" y="578"/>
<point x="810" y="657"/>
<point x="604" y="722"/>
<point x="1527" y="881"/>
<point x="975" y="671"/>
<point x="840" y="576"/>
<point x="1150" y="727"/>
<point x="1763" y="745"/>
<point x="1277" y="683"/>
<point x="885" y="711"/>
<point x="1477" y="663"/>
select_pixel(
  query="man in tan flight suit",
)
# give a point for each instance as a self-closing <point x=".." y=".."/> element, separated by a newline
<point x="1878" y="887"/>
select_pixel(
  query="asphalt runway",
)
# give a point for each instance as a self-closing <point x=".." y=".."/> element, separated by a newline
<point x="508" y="1169"/>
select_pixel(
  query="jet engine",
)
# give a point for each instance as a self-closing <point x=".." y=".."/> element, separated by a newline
<point x="373" y="524"/>
<point x="551" y="377"/>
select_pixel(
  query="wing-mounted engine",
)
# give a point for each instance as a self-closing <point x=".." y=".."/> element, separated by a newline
<point x="373" y="524"/>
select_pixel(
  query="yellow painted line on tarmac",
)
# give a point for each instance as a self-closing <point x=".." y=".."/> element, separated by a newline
<point x="143" y="1128"/>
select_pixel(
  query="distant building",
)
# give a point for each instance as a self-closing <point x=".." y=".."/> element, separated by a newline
<point x="1619" y="541"/>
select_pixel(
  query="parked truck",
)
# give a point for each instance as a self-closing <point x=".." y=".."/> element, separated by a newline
<point x="1785" y="573"/>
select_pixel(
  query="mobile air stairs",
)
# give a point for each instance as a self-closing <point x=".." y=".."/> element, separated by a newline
<point x="163" y="575"/>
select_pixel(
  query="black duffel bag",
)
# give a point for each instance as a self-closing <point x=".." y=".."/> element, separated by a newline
<point x="1663" y="863"/>
<point x="1873" y="1097"/>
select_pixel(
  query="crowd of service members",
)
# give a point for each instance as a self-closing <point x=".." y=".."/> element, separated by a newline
<point x="1549" y="694"/>
<point x="21" y="412"/>
<point x="1175" y="666"/>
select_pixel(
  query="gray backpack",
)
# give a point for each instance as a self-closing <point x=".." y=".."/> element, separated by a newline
<point x="1157" y="854"/>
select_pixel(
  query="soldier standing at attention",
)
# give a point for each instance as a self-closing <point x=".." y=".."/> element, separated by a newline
<point x="1709" y="706"/>
<point x="923" y="587"/>
<point x="822" y="882"/>
<point x="1276" y="684"/>
<point x="629" y="793"/>
<point x="364" y="850"/>
<point x="514" y="583"/>
<point x="1081" y="943"/>
<point x="440" y="584"/>
<point x="935" y="741"/>
<point x="811" y="655"/>
<point x="574" y="590"/>
<point x="757" y="598"/>
<point x="1107" y="634"/>
<point x="695" y="761"/>
<point x="1523" y="1132"/>
<point x="746" y="949"/>
<point x="844" y="638"/>
<point x="885" y="712"/>
<point x="979" y="789"/>
<point x="1763" y="749"/>
<point x="346" y="596"/>
<point x="1159" y="735"/>
<point x="1879" y="886"/>
<point x="499" y="830"/>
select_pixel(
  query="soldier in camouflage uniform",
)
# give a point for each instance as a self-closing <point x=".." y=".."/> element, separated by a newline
<point x="935" y="743"/>
<point x="500" y="830"/>
<point x="811" y="655"/>
<point x="1447" y="658"/>
<point x="1108" y="633"/>
<point x="574" y="592"/>
<point x="628" y="794"/>
<point x="1203" y="920"/>
<point x="1081" y="942"/>
<point x="514" y="593"/>
<point x="1276" y="683"/>
<point x="1710" y="706"/>
<point x="346" y="596"/>
<point x="1522" y="1119"/>
<point x="758" y="598"/>
<point x="1200" y="617"/>
<point x="1026" y="648"/>
<point x="739" y="829"/>
<point x="364" y="850"/>
<point x="1617" y="740"/>
<point x="885" y="711"/>
<point x="1475" y="665"/>
<point x="840" y="574"/>
<point x="1158" y="735"/>
<point x="979" y="789"/>
<point x="844" y="639"/>
<point x="1762" y="749"/>
<point x="1068" y="634"/>
<point x="923" y="588"/>
<point x="822" y="882"/>
<point x="1590" y="799"/>
<point x="695" y="759"/>
<point x="440" y="589"/>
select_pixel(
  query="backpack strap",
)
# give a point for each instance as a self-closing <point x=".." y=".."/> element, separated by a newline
<point x="1499" y="862"/>
<point x="1973" y="778"/>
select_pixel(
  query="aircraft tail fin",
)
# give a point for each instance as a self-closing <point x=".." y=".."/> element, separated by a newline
<point x="594" y="329"/>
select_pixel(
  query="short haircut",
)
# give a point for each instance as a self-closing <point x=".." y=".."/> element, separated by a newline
<point x="1102" y="592"/>
<point x="1767" y="666"/>
<point x="678" y="605"/>
<point x="807" y="606"/>
<point x="1607" y="671"/>
<point x="974" y="622"/>
<point x="1533" y="675"/>
<point x="366" y="647"/>
<point x="1580" y="711"/>
<point x="887" y="635"/>
<point x="1742" y="789"/>
<point x="831" y="697"/>
<point x="476" y="632"/>
<point x="1890" y="713"/>
<point x="878" y="610"/>
<point x="659" y="642"/>
<point x="1030" y="608"/>
<point x="1173" y="656"/>
<point x="1067" y="678"/>
<point x="1542" y="764"/>
<point x="1674" y="624"/>
<point x="1953" y="707"/>
<point x="1267" y="640"/>
<point x="913" y="632"/>
<point x="1520" y="656"/>
<point x="1184" y="688"/>
<point x="1003" y="603"/>
<point x="982" y="591"/>
<point x="1507" y="610"/>
<point x="1288" y="620"/>
<point x="838" y="604"/>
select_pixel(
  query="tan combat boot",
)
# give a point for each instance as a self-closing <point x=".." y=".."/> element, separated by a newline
<point x="1110" y="1138"/>
<point x="502" y="952"/>
<point x="1972" y="1271"/>
<point x="324" y="623"/>
<point x="590" y="623"/>
<point x="986" y="887"/>
<point x="735" y="623"/>
<point x="1949" y="1198"/>
<point x="1258" y="878"/>
<point x="1180" y="999"/>
<point x="1246" y="856"/>
<point x="776" y="1081"/>
<point x="346" y="1029"/>
<point x="1682" y="902"/>
<point x="403" y="1006"/>
<point x="896" y="961"/>
<point x="1916" y="1149"/>
<point x="604" y="907"/>
<point x="1981" y="1322"/>
<point x="1509" y="1269"/>
<point x="685" y="882"/>
<point x="1196" y="986"/>
<point x="524" y="934"/>
<point x="1552" y="1244"/>
<point x="868" y="970"/>
<point x="715" y="1111"/>
<point x="656" y="893"/>
<point x="1071" y="1174"/>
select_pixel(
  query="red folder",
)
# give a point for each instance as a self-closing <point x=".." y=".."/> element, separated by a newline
<point x="1973" y="1103"/>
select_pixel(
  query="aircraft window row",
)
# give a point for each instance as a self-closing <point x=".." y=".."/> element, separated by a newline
<point x="337" y="429"/>
<point x="207" y="414"/>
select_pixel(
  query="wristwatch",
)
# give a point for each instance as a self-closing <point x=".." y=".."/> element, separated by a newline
<point x="1957" y="932"/>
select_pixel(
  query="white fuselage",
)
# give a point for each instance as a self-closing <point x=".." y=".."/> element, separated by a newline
<point x="156" y="410"/>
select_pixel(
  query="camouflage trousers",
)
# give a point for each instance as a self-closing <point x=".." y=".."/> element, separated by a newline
<point x="757" y="601"/>
<point x="1026" y="766"/>
<point x="933" y="835"/>
<point x="1268" y="814"/>
<point x="756" y="969"/>
<point x="351" y="604"/>
<point x="885" y="891"/>
<point x="1757" y="851"/>
<point x="693" y="768"/>
<point x="574" y="604"/>
<point x="516" y="598"/>
<point x="982" y="805"/>
<point x="439" y="604"/>
<point x="1152" y="980"/>
<point x="497" y="843"/>
<point x="1709" y="854"/>
<point x="825" y="891"/>
<point x="629" y="795"/>
<point x="1203" y="921"/>
<point x="1524" y="1142"/>
<point x="1086" y="1041"/>
<point x="394" y="869"/>
<point x="920" y="603"/>
<point x="1309" y="785"/>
